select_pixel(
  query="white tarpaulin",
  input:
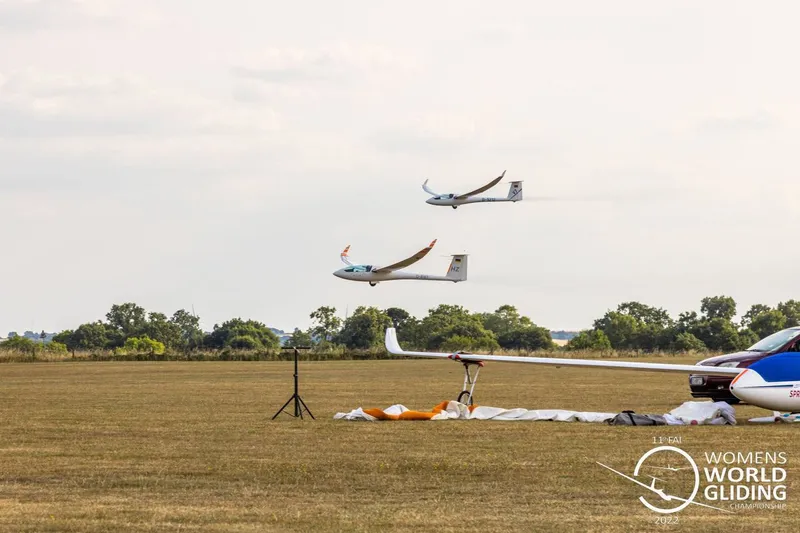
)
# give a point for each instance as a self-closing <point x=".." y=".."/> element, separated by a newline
<point x="689" y="413"/>
<point x="698" y="413"/>
<point x="453" y="410"/>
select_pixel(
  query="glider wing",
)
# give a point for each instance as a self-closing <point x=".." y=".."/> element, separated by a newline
<point x="394" y="348"/>
<point x="484" y="188"/>
<point x="406" y="262"/>
<point x="345" y="257"/>
<point x="428" y="190"/>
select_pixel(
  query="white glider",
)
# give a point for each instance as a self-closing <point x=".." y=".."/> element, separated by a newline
<point x="454" y="200"/>
<point x="374" y="275"/>
<point x="771" y="383"/>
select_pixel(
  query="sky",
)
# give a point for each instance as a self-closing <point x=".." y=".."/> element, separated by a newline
<point x="220" y="155"/>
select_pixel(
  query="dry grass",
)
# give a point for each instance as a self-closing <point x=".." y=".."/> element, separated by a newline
<point x="190" y="447"/>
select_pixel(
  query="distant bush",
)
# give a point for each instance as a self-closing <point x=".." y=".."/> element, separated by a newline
<point x="19" y="344"/>
<point x="55" y="347"/>
<point x="143" y="345"/>
<point x="686" y="342"/>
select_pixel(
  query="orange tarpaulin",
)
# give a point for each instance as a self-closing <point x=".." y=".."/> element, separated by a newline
<point x="411" y="415"/>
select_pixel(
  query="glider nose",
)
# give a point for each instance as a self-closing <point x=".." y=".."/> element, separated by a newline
<point x="429" y="201"/>
<point x="748" y="385"/>
<point x="338" y="274"/>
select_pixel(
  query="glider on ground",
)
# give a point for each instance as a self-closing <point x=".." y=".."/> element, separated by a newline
<point x="771" y="383"/>
<point x="454" y="200"/>
<point x="374" y="275"/>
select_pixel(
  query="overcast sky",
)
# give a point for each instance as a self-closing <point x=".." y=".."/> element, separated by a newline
<point x="222" y="154"/>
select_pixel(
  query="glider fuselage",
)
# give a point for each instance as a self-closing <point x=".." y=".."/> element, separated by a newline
<point x="451" y="200"/>
<point x="364" y="273"/>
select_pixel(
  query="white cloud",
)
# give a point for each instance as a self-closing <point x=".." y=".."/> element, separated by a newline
<point x="730" y="123"/>
<point x="81" y="113"/>
<point x="34" y="15"/>
<point x="336" y="62"/>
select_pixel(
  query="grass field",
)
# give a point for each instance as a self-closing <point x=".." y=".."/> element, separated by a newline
<point x="190" y="447"/>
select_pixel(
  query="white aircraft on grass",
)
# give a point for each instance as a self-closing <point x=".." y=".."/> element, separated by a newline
<point x="770" y="383"/>
<point x="454" y="200"/>
<point x="374" y="275"/>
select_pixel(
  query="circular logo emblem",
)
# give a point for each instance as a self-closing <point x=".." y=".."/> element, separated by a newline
<point x="660" y="492"/>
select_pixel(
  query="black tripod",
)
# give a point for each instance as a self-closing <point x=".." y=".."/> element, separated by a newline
<point x="298" y="401"/>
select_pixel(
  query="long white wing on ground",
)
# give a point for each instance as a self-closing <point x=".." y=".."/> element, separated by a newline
<point x="484" y="188"/>
<point x="427" y="189"/>
<point x="406" y="262"/>
<point x="394" y="348"/>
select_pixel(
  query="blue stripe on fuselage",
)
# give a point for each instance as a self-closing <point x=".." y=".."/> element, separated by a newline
<point x="780" y="367"/>
<point x="786" y="386"/>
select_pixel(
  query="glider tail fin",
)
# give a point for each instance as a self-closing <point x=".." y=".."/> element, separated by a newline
<point x="458" y="268"/>
<point x="515" y="191"/>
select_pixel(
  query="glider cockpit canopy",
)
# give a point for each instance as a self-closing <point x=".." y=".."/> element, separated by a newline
<point x="359" y="268"/>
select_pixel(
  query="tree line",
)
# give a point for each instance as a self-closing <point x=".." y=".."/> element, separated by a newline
<point x="636" y="326"/>
<point x="129" y="329"/>
<point x="446" y="327"/>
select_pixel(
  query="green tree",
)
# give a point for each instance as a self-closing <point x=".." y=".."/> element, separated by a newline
<point x="65" y="338"/>
<point x="365" y="328"/>
<point x="56" y="347"/>
<point x="440" y="319"/>
<point x="686" y="322"/>
<point x="752" y="313"/>
<point x="470" y="327"/>
<point x="406" y="325"/>
<point x="637" y="326"/>
<point x="621" y="329"/>
<point x="791" y="310"/>
<point x="686" y="342"/>
<point x="128" y="318"/>
<point x="723" y="307"/>
<point x="645" y="314"/>
<point x="243" y="342"/>
<point x="223" y="335"/>
<point x="163" y="330"/>
<point x="592" y="339"/>
<point x="20" y="344"/>
<point x="505" y="320"/>
<point x="747" y="338"/>
<point x="189" y="326"/>
<point x="526" y="338"/>
<point x="718" y="334"/>
<point x="325" y="324"/>
<point x="458" y="343"/>
<point x="299" y="338"/>
<point x="92" y="336"/>
<point x="399" y="317"/>
<point x="767" y="323"/>
<point x="144" y="344"/>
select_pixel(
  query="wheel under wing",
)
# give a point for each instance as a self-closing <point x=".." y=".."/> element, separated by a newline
<point x="482" y="189"/>
<point x="394" y="348"/>
<point x="407" y="262"/>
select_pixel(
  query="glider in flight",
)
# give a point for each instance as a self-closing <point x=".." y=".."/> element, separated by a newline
<point x="770" y="383"/>
<point x="454" y="200"/>
<point x="374" y="275"/>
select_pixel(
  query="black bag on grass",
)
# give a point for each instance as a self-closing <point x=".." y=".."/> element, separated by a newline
<point x="629" y="418"/>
